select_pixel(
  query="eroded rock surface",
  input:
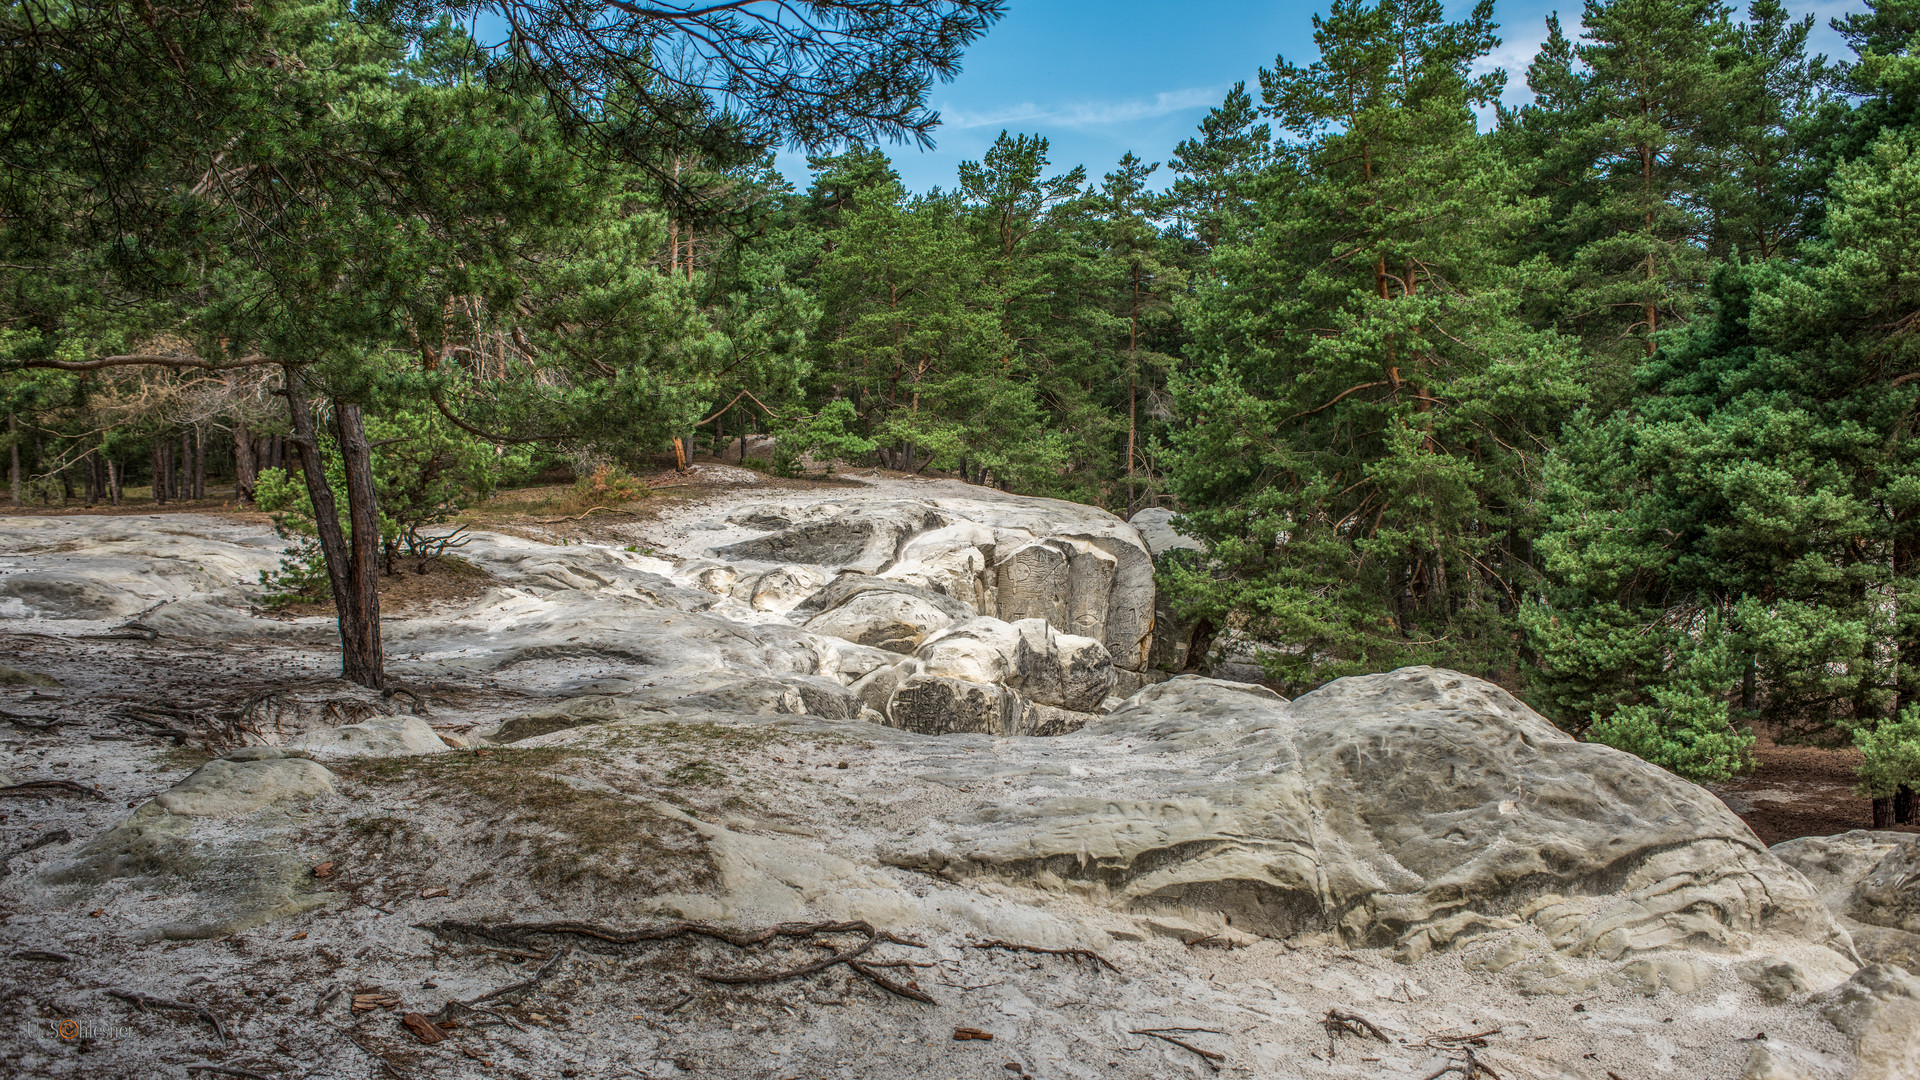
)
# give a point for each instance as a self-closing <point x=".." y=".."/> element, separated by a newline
<point x="1406" y="810"/>
<point x="830" y="704"/>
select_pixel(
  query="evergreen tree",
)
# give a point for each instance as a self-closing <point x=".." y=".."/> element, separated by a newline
<point x="1363" y="433"/>
<point x="1219" y="170"/>
<point x="1622" y="137"/>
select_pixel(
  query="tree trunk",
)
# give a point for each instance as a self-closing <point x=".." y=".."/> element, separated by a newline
<point x="199" y="462"/>
<point x="352" y="570"/>
<point x="160" y="472"/>
<point x="244" y="471"/>
<point x="183" y="470"/>
<point x="679" y="455"/>
<point x="115" y="474"/>
<point x="1903" y="806"/>
<point x="13" y="447"/>
<point x="1883" y="813"/>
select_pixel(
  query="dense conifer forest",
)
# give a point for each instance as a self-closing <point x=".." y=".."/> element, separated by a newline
<point x="1610" y="397"/>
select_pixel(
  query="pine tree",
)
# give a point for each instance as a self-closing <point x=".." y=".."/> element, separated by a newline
<point x="1219" y="170"/>
<point x="1621" y="138"/>
<point x="1362" y="431"/>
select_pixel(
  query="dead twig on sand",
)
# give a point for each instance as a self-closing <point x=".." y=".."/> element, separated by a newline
<point x="1346" y="1023"/>
<point x="55" y="836"/>
<point x="478" y="1005"/>
<point x="143" y="1002"/>
<point x="50" y="787"/>
<point x="230" y="1070"/>
<point x="524" y="985"/>
<point x="1471" y="1066"/>
<point x="1212" y="1058"/>
<point x="1076" y="954"/>
<point x="577" y="517"/>
<point x="520" y="933"/>
<point x="1469" y="1069"/>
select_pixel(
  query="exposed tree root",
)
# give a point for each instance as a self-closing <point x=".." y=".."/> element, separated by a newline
<point x="513" y="934"/>
<point x="1076" y="954"/>
<point x="50" y="787"/>
<point x="143" y="1002"/>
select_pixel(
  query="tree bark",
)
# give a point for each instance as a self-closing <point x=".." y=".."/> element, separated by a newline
<point x="160" y="472"/>
<point x="199" y="462"/>
<point x="115" y="474"/>
<point x="244" y="471"/>
<point x="363" y="511"/>
<point x="1903" y="806"/>
<point x="183" y="471"/>
<point x="1883" y="813"/>
<point x="353" y="580"/>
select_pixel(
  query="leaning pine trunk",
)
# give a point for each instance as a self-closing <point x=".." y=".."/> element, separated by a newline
<point x="351" y="567"/>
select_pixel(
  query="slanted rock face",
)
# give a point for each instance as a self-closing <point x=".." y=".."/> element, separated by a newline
<point x="1409" y="809"/>
<point x="866" y="538"/>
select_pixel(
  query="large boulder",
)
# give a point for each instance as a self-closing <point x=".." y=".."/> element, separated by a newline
<point x="1063" y="670"/>
<point x="1871" y="883"/>
<point x="941" y="705"/>
<point x="1879" y="1009"/>
<point x="379" y="736"/>
<point x="891" y="615"/>
<point x="1097" y="586"/>
<point x="1157" y="532"/>
<point x="1412" y="809"/>
<point x="952" y="560"/>
<point x="778" y="590"/>
<point x="218" y="844"/>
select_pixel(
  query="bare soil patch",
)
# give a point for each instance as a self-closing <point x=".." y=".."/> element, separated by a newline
<point x="1801" y="791"/>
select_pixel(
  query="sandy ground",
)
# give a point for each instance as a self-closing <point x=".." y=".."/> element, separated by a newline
<point x="548" y="830"/>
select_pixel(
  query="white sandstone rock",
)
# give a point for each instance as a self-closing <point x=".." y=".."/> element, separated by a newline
<point x="379" y="736"/>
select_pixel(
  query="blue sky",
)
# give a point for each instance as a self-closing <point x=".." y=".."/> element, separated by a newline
<point x="1100" y="78"/>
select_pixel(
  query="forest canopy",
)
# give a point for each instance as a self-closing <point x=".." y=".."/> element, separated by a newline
<point x="1609" y="396"/>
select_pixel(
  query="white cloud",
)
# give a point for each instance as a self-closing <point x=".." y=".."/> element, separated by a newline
<point x="1086" y="114"/>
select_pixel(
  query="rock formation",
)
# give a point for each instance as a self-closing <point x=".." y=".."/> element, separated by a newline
<point x="928" y="708"/>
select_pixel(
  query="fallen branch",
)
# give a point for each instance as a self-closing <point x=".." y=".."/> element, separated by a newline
<point x="41" y="787"/>
<point x="525" y="985"/>
<point x="230" y="1070"/>
<point x="45" y="957"/>
<point x="1337" y="1023"/>
<point x="1076" y="954"/>
<point x="577" y="517"/>
<point x="1212" y="1059"/>
<point x="143" y="1002"/>
<point x="55" y="836"/>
